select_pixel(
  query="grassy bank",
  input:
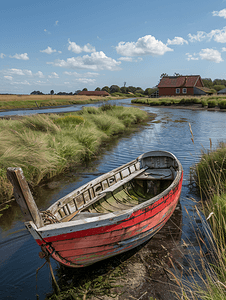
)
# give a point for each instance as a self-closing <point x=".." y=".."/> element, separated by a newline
<point x="209" y="273"/>
<point x="34" y="101"/>
<point x="45" y="145"/>
<point x="202" y="101"/>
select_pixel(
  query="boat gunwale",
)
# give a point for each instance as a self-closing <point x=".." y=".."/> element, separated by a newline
<point x="111" y="217"/>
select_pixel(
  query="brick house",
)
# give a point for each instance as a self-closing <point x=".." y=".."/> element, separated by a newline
<point x="182" y="86"/>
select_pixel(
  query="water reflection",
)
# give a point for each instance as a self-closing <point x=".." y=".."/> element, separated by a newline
<point x="169" y="131"/>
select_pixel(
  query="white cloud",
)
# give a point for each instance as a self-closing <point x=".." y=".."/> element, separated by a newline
<point x="78" y="49"/>
<point x="192" y="56"/>
<point x="85" y="80"/>
<point x="223" y="49"/>
<point x="23" y="56"/>
<point x="211" y="55"/>
<point x="147" y="45"/>
<point x="53" y="75"/>
<point x="177" y="41"/>
<point x="96" y="61"/>
<point x="126" y="58"/>
<point x="14" y="72"/>
<point x="39" y="74"/>
<point x="48" y="50"/>
<point x="56" y="23"/>
<point x="206" y="54"/>
<point x="2" y="55"/>
<point x="87" y="74"/>
<point x="25" y="82"/>
<point x="200" y="36"/>
<point x="8" y="77"/>
<point x="219" y="36"/>
<point x="221" y="13"/>
<point x="19" y="72"/>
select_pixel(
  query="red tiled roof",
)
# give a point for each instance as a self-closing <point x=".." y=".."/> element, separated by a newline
<point x="179" y="81"/>
<point x="94" y="93"/>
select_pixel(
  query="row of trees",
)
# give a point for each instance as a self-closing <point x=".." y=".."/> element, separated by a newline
<point x="112" y="89"/>
<point x="216" y="84"/>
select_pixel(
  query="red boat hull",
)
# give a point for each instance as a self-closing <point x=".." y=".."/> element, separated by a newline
<point x="76" y="247"/>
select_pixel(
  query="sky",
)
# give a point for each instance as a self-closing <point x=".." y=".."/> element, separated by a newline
<point x="68" y="45"/>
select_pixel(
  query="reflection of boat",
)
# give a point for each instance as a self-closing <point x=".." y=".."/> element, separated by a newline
<point x="107" y="216"/>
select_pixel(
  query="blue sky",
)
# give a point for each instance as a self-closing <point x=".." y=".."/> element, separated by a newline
<point x="74" y="44"/>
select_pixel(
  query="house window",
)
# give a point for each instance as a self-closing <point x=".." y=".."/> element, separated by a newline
<point x="184" y="91"/>
<point x="177" y="91"/>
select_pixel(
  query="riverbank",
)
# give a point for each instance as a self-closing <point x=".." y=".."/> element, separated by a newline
<point x="13" y="102"/>
<point x="46" y="145"/>
<point x="210" y="103"/>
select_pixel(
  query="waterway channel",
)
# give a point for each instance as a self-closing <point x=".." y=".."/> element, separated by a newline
<point x="169" y="131"/>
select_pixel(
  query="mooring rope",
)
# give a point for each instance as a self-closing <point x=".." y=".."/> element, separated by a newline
<point x="49" y="218"/>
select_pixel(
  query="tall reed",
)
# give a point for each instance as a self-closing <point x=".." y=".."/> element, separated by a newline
<point x="205" y="274"/>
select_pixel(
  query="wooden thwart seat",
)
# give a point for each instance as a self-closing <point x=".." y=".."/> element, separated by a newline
<point x="156" y="174"/>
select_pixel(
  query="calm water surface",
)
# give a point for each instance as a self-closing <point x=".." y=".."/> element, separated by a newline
<point x="19" y="252"/>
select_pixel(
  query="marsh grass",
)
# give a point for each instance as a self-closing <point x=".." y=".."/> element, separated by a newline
<point x="203" y="273"/>
<point x="32" y="101"/>
<point x="204" y="276"/>
<point x="205" y="101"/>
<point x="210" y="173"/>
<point x="46" y="145"/>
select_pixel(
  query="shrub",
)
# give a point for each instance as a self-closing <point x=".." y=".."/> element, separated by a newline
<point x="222" y="104"/>
<point x="204" y="103"/>
<point x="212" y="103"/>
<point x="197" y="101"/>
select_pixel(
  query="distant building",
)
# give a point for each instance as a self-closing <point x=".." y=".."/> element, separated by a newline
<point x="94" y="93"/>
<point x="182" y="86"/>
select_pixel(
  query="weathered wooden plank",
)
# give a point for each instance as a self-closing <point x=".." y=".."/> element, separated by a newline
<point x="123" y="181"/>
<point x="24" y="197"/>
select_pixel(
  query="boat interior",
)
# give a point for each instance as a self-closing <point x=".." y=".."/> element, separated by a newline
<point x="120" y="189"/>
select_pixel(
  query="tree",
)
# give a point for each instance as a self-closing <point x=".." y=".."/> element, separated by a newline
<point x="76" y="92"/>
<point x="97" y="89"/>
<point x="219" y="81"/>
<point x="124" y="90"/>
<point x="52" y="92"/>
<point x="36" y="93"/>
<point x="106" y="89"/>
<point x="85" y="89"/>
<point x="139" y="90"/>
<point x="131" y="89"/>
<point x="207" y="82"/>
<point x="115" y="89"/>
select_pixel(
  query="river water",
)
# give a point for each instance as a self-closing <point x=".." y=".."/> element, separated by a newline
<point x="169" y="131"/>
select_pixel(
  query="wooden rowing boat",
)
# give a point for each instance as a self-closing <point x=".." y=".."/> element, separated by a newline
<point x="107" y="216"/>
